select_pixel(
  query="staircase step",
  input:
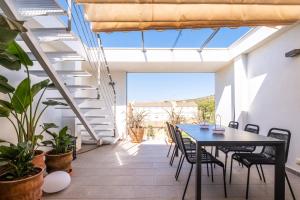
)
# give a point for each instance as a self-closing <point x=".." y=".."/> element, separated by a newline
<point x="67" y="73"/>
<point x="76" y="87"/>
<point x="89" y="117"/>
<point x="81" y="108"/>
<point x="96" y="124"/>
<point x="76" y="98"/>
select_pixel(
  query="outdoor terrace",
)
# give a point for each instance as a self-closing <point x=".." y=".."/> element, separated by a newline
<point x="142" y="171"/>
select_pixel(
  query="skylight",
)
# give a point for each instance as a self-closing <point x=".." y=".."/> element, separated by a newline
<point x="167" y="39"/>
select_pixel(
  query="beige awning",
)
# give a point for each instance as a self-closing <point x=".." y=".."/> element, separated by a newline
<point x="134" y="15"/>
<point x="271" y="2"/>
<point x="143" y="26"/>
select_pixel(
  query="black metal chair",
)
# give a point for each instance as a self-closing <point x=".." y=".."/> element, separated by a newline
<point x="266" y="157"/>
<point x="169" y="136"/>
<point x="190" y="147"/>
<point x="227" y="149"/>
<point x="191" y="157"/>
<point x="188" y="142"/>
<point x="233" y="124"/>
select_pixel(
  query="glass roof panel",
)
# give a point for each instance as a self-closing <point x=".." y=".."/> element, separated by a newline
<point x="189" y="38"/>
<point x="227" y="36"/>
<point x="122" y="39"/>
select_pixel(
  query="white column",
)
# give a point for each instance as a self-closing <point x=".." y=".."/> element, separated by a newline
<point x="240" y="90"/>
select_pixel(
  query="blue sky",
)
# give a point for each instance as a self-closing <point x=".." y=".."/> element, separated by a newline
<point x="169" y="86"/>
<point x="162" y="86"/>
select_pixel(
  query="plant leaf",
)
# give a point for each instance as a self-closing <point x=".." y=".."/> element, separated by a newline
<point x="47" y="126"/>
<point x="6" y="87"/>
<point x="4" y="112"/>
<point x="9" y="29"/>
<point x="21" y="98"/>
<point x="36" y="88"/>
<point x="54" y="135"/>
<point x="54" y="103"/>
<point x="3" y="78"/>
<point x="15" y="49"/>
<point x="6" y="104"/>
<point x="47" y="142"/>
<point x="10" y="61"/>
<point x="63" y="131"/>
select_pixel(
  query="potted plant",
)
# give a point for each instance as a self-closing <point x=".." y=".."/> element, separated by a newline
<point x="19" y="106"/>
<point x="135" y="124"/>
<point x="60" y="157"/>
<point x="19" y="179"/>
<point x="150" y="132"/>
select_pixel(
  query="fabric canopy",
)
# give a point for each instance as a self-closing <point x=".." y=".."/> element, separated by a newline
<point x="271" y="2"/>
<point x="143" y="26"/>
<point x="135" y="15"/>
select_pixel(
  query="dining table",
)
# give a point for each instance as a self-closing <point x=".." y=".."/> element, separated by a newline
<point x="207" y="137"/>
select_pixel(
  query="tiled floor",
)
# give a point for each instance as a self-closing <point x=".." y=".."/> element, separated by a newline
<point x="141" y="171"/>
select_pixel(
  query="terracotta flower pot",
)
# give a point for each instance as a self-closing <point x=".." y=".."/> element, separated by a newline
<point x="136" y="134"/>
<point x="29" y="188"/>
<point x="59" y="162"/>
<point x="39" y="159"/>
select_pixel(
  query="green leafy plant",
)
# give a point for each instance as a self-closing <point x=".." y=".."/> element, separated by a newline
<point x="16" y="161"/>
<point x="20" y="107"/>
<point x="61" y="142"/>
<point x="206" y="109"/>
<point x="151" y="131"/>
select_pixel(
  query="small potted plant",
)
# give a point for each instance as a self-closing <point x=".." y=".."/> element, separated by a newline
<point x="60" y="157"/>
<point x="136" y="125"/>
<point x="19" y="179"/>
<point x="151" y="132"/>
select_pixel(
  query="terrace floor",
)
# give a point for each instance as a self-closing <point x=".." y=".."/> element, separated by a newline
<point x="141" y="171"/>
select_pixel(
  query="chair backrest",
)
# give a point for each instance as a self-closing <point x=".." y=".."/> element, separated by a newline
<point x="281" y="134"/>
<point x="176" y="138"/>
<point x="181" y="143"/>
<point x="233" y="124"/>
<point x="170" y="131"/>
<point x="253" y="128"/>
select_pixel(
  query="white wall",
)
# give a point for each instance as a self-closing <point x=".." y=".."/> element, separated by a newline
<point x="272" y="89"/>
<point x="224" y="93"/>
<point x="120" y="78"/>
<point x="276" y="103"/>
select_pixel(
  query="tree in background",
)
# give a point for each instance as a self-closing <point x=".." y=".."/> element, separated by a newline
<point x="206" y="109"/>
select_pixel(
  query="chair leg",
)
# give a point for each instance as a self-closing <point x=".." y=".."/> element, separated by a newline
<point x="263" y="174"/>
<point x="290" y="186"/>
<point x="248" y="177"/>
<point x="216" y="155"/>
<point x="258" y="172"/>
<point x="231" y="169"/>
<point x="207" y="169"/>
<point x="173" y="156"/>
<point x="187" y="182"/>
<point x="178" y="166"/>
<point x="224" y="182"/>
<point x="226" y="157"/>
<point x="212" y="172"/>
<point x="169" y="150"/>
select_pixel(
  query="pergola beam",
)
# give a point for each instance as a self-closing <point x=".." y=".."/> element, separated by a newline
<point x="176" y="40"/>
<point x="210" y="37"/>
<point x="143" y="42"/>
